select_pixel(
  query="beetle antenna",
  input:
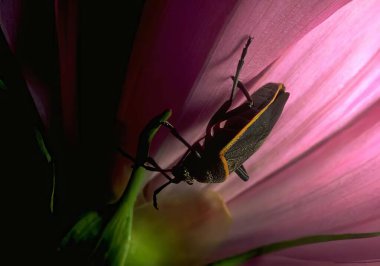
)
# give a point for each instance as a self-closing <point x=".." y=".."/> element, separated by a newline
<point x="125" y="154"/>
<point x="155" y="168"/>
<point x="158" y="190"/>
<point x="159" y="169"/>
<point x="239" y="67"/>
<point x="242" y="87"/>
<point x="176" y="134"/>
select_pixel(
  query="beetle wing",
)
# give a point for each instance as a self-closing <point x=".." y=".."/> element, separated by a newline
<point x="246" y="145"/>
<point x="249" y="139"/>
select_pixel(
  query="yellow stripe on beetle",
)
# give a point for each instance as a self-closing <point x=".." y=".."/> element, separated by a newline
<point x="244" y="129"/>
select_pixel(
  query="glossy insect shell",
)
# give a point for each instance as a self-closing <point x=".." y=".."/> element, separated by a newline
<point x="242" y="134"/>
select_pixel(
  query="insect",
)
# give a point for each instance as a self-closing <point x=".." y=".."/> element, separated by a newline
<point x="232" y="136"/>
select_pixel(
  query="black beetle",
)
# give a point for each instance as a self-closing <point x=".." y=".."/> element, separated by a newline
<point x="231" y="136"/>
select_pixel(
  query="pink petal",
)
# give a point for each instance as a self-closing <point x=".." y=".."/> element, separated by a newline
<point x="318" y="171"/>
<point x="333" y="189"/>
<point x="333" y="66"/>
<point x="184" y="62"/>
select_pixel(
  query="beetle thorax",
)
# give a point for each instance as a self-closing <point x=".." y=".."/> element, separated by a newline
<point x="183" y="174"/>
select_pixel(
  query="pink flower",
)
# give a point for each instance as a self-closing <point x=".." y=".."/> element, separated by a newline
<point x="318" y="171"/>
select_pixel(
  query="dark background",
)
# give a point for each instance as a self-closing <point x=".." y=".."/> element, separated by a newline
<point x="106" y="33"/>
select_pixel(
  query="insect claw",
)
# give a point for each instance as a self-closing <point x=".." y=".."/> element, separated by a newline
<point x="155" y="204"/>
<point x="250" y="38"/>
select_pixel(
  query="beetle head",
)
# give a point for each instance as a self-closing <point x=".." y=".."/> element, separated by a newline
<point x="181" y="173"/>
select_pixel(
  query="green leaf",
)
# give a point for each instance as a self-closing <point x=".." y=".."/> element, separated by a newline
<point x="41" y="145"/>
<point x="244" y="257"/>
<point x="52" y="195"/>
<point x="2" y="85"/>
<point x="45" y="152"/>
<point x="86" y="230"/>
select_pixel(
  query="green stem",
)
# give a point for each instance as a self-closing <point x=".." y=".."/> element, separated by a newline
<point x="111" y="234"/>
<point x="115" y="241"/>
<point x="133" y="189"/>
<point x="244" y="257"/>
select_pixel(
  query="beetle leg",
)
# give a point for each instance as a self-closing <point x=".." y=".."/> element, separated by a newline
<point x="157" y="168"/>
<point x="242" y="173"/>
<point x="158" y="190"/>
<point x="226" y="116"/>
<point x="218" y="116"/>
<point x="155" y="164"/>
<point x="126" y="154"/>
<point x="179" y="137"/>
<point x="239" y="67"/>
<point x="150" y="160"/>
<point x="242" y="87"/>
